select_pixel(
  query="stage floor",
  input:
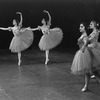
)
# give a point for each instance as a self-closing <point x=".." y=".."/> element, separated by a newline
<point x="35" y="81"/>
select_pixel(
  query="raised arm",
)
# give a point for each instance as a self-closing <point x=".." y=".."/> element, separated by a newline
<point x="49" y="22"/>
<point x="21" y="18"/>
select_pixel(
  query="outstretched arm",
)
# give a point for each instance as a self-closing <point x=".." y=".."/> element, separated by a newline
<point x="28" y="28"/>
<point x="34" y="29"/>
<point x="21" y="18"/>
<point x="9" y="28"/>
<point x="49" y="22"/>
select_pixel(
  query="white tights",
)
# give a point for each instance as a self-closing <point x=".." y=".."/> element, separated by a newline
<point x="19" y="58"/>
<point x="47" y="56"/>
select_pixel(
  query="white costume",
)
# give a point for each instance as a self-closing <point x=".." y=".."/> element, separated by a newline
<point x="94" y="48"/>
<point x="51" y="37"/>
<point x="22" y="39"/>
<point x="82" y="60"/>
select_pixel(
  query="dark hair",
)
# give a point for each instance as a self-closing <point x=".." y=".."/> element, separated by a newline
<point x="85" y="25"/>
<point x="17" y="21"/>
<point x="44" y="20"/>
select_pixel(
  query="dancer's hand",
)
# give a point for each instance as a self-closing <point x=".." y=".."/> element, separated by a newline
<point x="18" y="13"/>
<point x="45" y="11"/>
<point x="39" y="27"/>
<point x="28" y="28"/>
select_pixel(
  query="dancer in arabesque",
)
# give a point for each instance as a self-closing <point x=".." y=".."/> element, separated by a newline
<point x="51" y="37"/>
<point x="23" y="37"/>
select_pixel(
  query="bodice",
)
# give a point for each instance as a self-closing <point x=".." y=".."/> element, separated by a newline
<point x="45" y="29"/>
<point x="15" y="30"/>
<point x="81" y="40"/>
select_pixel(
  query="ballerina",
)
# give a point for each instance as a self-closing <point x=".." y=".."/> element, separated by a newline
<point x="81" y="64"/>
<point x="94" y="48"/>
<point x="51" y="37"/>
<point x="23" y="37"/>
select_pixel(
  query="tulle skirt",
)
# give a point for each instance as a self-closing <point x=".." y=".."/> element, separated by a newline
<point x="81" y="63"/>
<point x="22" y="41"/>
<point x="95" y="54"/>
<point x="51" y="39"/>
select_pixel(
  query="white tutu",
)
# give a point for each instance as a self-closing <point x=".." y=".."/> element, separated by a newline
<point x="21" y="41"/>
<point x="51" y="39"/>
<point x="81" y="62"/>
<point x="95" y="53"/>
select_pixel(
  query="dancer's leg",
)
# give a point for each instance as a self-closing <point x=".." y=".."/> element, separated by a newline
<point x="19" y="58"/>
<point x="87" y="79"/>
<point x="47" y="56"/>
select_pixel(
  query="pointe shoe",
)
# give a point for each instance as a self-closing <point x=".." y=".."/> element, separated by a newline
<point x="46" y="61"/>
<point x="92" y="76"/>
<point x="19" y="63"/>
<point x="98" y="79"/>
<point x="84" y="89"/>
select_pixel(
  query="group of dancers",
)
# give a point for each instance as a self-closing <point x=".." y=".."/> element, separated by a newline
<point x="87" y="59"/>
<point x="23" y="37"/>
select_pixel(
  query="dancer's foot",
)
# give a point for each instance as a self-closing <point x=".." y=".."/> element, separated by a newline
<point x="19" y="63"/>
<point x="84" y="89"/>
<point x="46" y="61"/>
<point x="93" y="76"/>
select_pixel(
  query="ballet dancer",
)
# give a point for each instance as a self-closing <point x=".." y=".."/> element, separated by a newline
<point x="23" y="37"/>
<point x="81" y="64"/>
<point x="51" y="37"/>
<point x="94" y="48"/>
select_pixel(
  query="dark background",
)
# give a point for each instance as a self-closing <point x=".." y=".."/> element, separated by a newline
<point x="66" y="14"/>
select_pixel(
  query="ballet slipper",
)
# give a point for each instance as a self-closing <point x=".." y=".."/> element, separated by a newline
<point x="84" y="89"/>
<point x="93" y="76"/>
<point x="19" y="63"/>
<point x="46" y="61"/>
